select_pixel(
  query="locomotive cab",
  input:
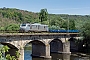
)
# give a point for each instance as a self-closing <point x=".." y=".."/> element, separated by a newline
<point x="24" y="27"/>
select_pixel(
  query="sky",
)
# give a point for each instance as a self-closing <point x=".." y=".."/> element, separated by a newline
<point x="71" y="7"/>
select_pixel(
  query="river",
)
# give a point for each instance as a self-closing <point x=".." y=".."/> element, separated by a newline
<point x="55" y="56"/>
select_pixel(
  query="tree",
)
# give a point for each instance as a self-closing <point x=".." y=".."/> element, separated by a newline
<point x="72" y="25"/>
<point x="43" y="15"/>
<point x="64" y="25"/>
<point x="4" y="49"/>
<point x="12" y="27"/>
<point x="85" y="32"/>
<point x="2" y="28"/>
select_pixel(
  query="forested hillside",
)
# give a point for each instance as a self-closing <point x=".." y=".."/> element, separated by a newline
<point x="11" y="18"/>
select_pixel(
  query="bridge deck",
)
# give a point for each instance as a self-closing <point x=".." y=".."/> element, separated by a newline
<point x="3" y="34"/>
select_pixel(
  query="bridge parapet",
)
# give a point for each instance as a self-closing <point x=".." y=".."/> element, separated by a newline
<point x="38" y="36"/>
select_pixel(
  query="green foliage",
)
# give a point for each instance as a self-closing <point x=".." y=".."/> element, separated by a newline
<point x="85" y="30"/>
<point x="43" y="15"/>
<point x="64" y="25"/>
<point x="2" y="28"/>
<point x="11" y="17"/>
<point x="17" y="54"/>
<point x="72" y="25"/>
<point x="54" y="27"/>
<point x="4" y="49"/>
<point x="12" y="27"/>
<point x="8" y="57"/>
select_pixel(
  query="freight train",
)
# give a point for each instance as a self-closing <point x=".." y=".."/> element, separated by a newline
<point x="36" y="27"/>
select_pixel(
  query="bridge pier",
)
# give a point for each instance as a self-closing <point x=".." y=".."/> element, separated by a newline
<point x="66" y="47"/>
<point x="47" y="51"/>
<point x="21" y="51"/>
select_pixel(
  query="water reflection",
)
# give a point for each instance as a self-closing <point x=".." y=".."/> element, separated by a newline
<point x="66" y="56"/>
<point x="57" y="56"/>
<point x="27" y="55"/>
<point x="78" y="57"/>
<point x="60" y="56"/>
<point x="40" y="59"/>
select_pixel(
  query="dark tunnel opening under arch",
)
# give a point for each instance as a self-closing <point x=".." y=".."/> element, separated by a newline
<point x="56" y="46"/>
<point x="73" y="45"/>
<point x="37" y="48"/>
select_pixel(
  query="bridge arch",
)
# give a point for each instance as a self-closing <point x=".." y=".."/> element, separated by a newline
<point x="30" y="41"/>
<point x="56" y="46"/>
<point x="12" y="48"/>
<point x="73" y="44"/>
<point x="10" y="45"/>
<point x="38" y="47"/>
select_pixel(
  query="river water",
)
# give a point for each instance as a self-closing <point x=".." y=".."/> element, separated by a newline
<point x="55" y="56"/>
<point x="74" y="56"/>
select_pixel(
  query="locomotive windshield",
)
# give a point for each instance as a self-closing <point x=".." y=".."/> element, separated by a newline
<point x="23" y="24"/>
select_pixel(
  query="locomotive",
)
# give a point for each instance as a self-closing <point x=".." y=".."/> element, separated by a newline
<point x="36" y="27"/>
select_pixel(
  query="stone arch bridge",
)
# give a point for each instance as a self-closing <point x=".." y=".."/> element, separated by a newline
<point x="42" y="43"/>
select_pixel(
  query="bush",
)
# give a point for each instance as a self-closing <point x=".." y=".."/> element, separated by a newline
<point x="4" y="49"/>
<point x="12" y="27"/>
